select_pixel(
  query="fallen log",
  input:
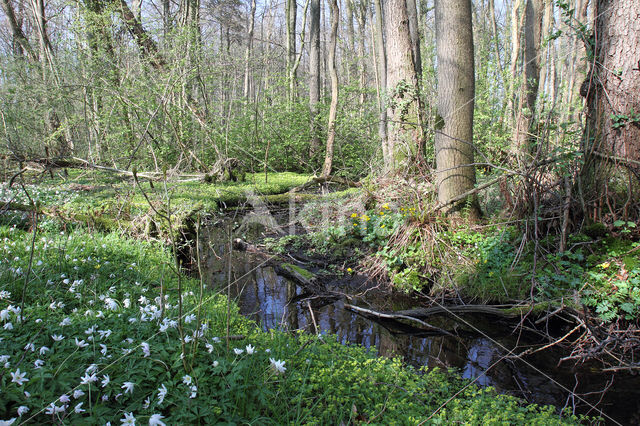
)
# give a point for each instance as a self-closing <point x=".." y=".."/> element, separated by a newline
<point x="515" y="311"/>
<point x="396" y="316"/>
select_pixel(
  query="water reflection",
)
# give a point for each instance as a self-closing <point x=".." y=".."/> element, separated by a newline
<point x="265" y="296"/>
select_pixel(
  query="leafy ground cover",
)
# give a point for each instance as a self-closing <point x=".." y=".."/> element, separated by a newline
<point x="484" y="263"/>
<point x="98" y="328"/>
<point x="98" y="194"/>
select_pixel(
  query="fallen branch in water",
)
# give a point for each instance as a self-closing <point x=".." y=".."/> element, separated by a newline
<point x="511" y="312"/>
<point x="396" y="316"/>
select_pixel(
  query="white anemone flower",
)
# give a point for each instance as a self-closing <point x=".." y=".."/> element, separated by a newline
<point x="128" y="387"/>
<point x="19" y="377"/>
<point x="278" y="365"/>
<point x="155" y="420"/>
<point x="128" y="419"/>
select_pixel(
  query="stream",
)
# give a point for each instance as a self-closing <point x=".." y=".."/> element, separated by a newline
<point x="481" y="352"/>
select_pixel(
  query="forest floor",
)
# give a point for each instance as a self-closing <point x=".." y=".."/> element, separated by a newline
<point x="98" y="325"/>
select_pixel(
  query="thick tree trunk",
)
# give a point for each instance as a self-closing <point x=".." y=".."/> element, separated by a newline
<point x="16" y="30"/>
<point x="142" y="38"/>
<point x="333" y="109"/>
<point x="314" y="74"/>
<point x="405" y="135"/>
<point x="612" y="138"/>
<point x="455" y="172"/>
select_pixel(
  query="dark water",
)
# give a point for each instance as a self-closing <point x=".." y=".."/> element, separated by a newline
<point x="481" y="354"/>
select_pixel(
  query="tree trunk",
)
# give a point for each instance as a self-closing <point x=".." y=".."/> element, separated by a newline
<point x="612" y="136"/>
<point x="414" y="32"/>
<point x="247" y="56"/>
<point x="455" y="172"/>
<point x="524" y="133"/>
<point x="291" y="18"/>
<point x="405" y="136"/>
<point x="362" y="20"/>
<point x="314" y="74"/>
<point x="142" y="38"/>
<point x="516" y="26"/>
<point x="16" y="30"/>
<point x="351" y="60"/>
<point x="381" y="72"/>
<point x="333" y="109"/>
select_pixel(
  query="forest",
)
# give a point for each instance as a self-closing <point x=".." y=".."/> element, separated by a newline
<point x="310" y="212"/>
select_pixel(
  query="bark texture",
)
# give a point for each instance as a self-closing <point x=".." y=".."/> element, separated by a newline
<point x="380" y="58"/>
<point x="455" y="172"/>
<point x="525" y="114"/>
<point x="314" y="73"/>
<point x="612" y="91"/>
<point x="405" y="136"/>
<point x="333" y="109"/>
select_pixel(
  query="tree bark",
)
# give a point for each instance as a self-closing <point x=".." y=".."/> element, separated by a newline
<point x="142" y="38"/>
<point x="333" y="109"/>
<point x="414" y="32"/>
<point x="247" y="56"/>
<point x="524" y="133"/>
<point x="517" y="22"/>
<point x="314" y="75"/>
<point x="291" y="18"/>
<point x="405" y="136"/>
<point x="350" y="59"/>
<point x="613" y="111"/>
<point x="16" y="30"/>
<point x="380" y="58"/>
<point x="454" y="148"/>
<point x="362" y="20"/>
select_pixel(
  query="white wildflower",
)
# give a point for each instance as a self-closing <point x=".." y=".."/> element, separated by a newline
<point x="128" y="387"/>
<point x="128" y="419"/>
<point x="278" y="365"/>
<point x="19" y="377"/>
<point x="155" y="420"/>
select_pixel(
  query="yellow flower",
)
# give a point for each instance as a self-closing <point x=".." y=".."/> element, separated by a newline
<point x="605" y="265"/>
<point x="355" y="224"/>
<point x="385" y="206"/>
<point x="354" y="214"/>
<point x="365" y="217"/>
<point x="382" y="226"/>
<point x="381" y="213"/>
<point x="349" y="270"/>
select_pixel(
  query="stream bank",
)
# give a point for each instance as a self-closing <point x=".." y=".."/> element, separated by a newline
<point x="287" y="293"/>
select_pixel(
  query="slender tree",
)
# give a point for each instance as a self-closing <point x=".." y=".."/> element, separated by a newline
<point x="314" y="74"/>
<point x="524" y="133"/>
<point x="333" y="109"/>
<point x="380" y="58"/>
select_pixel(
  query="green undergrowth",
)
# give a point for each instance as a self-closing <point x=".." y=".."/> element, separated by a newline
<point x="106" y="202"/>
<point x="486" y="263"/>
<point x="96" y="336"/>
